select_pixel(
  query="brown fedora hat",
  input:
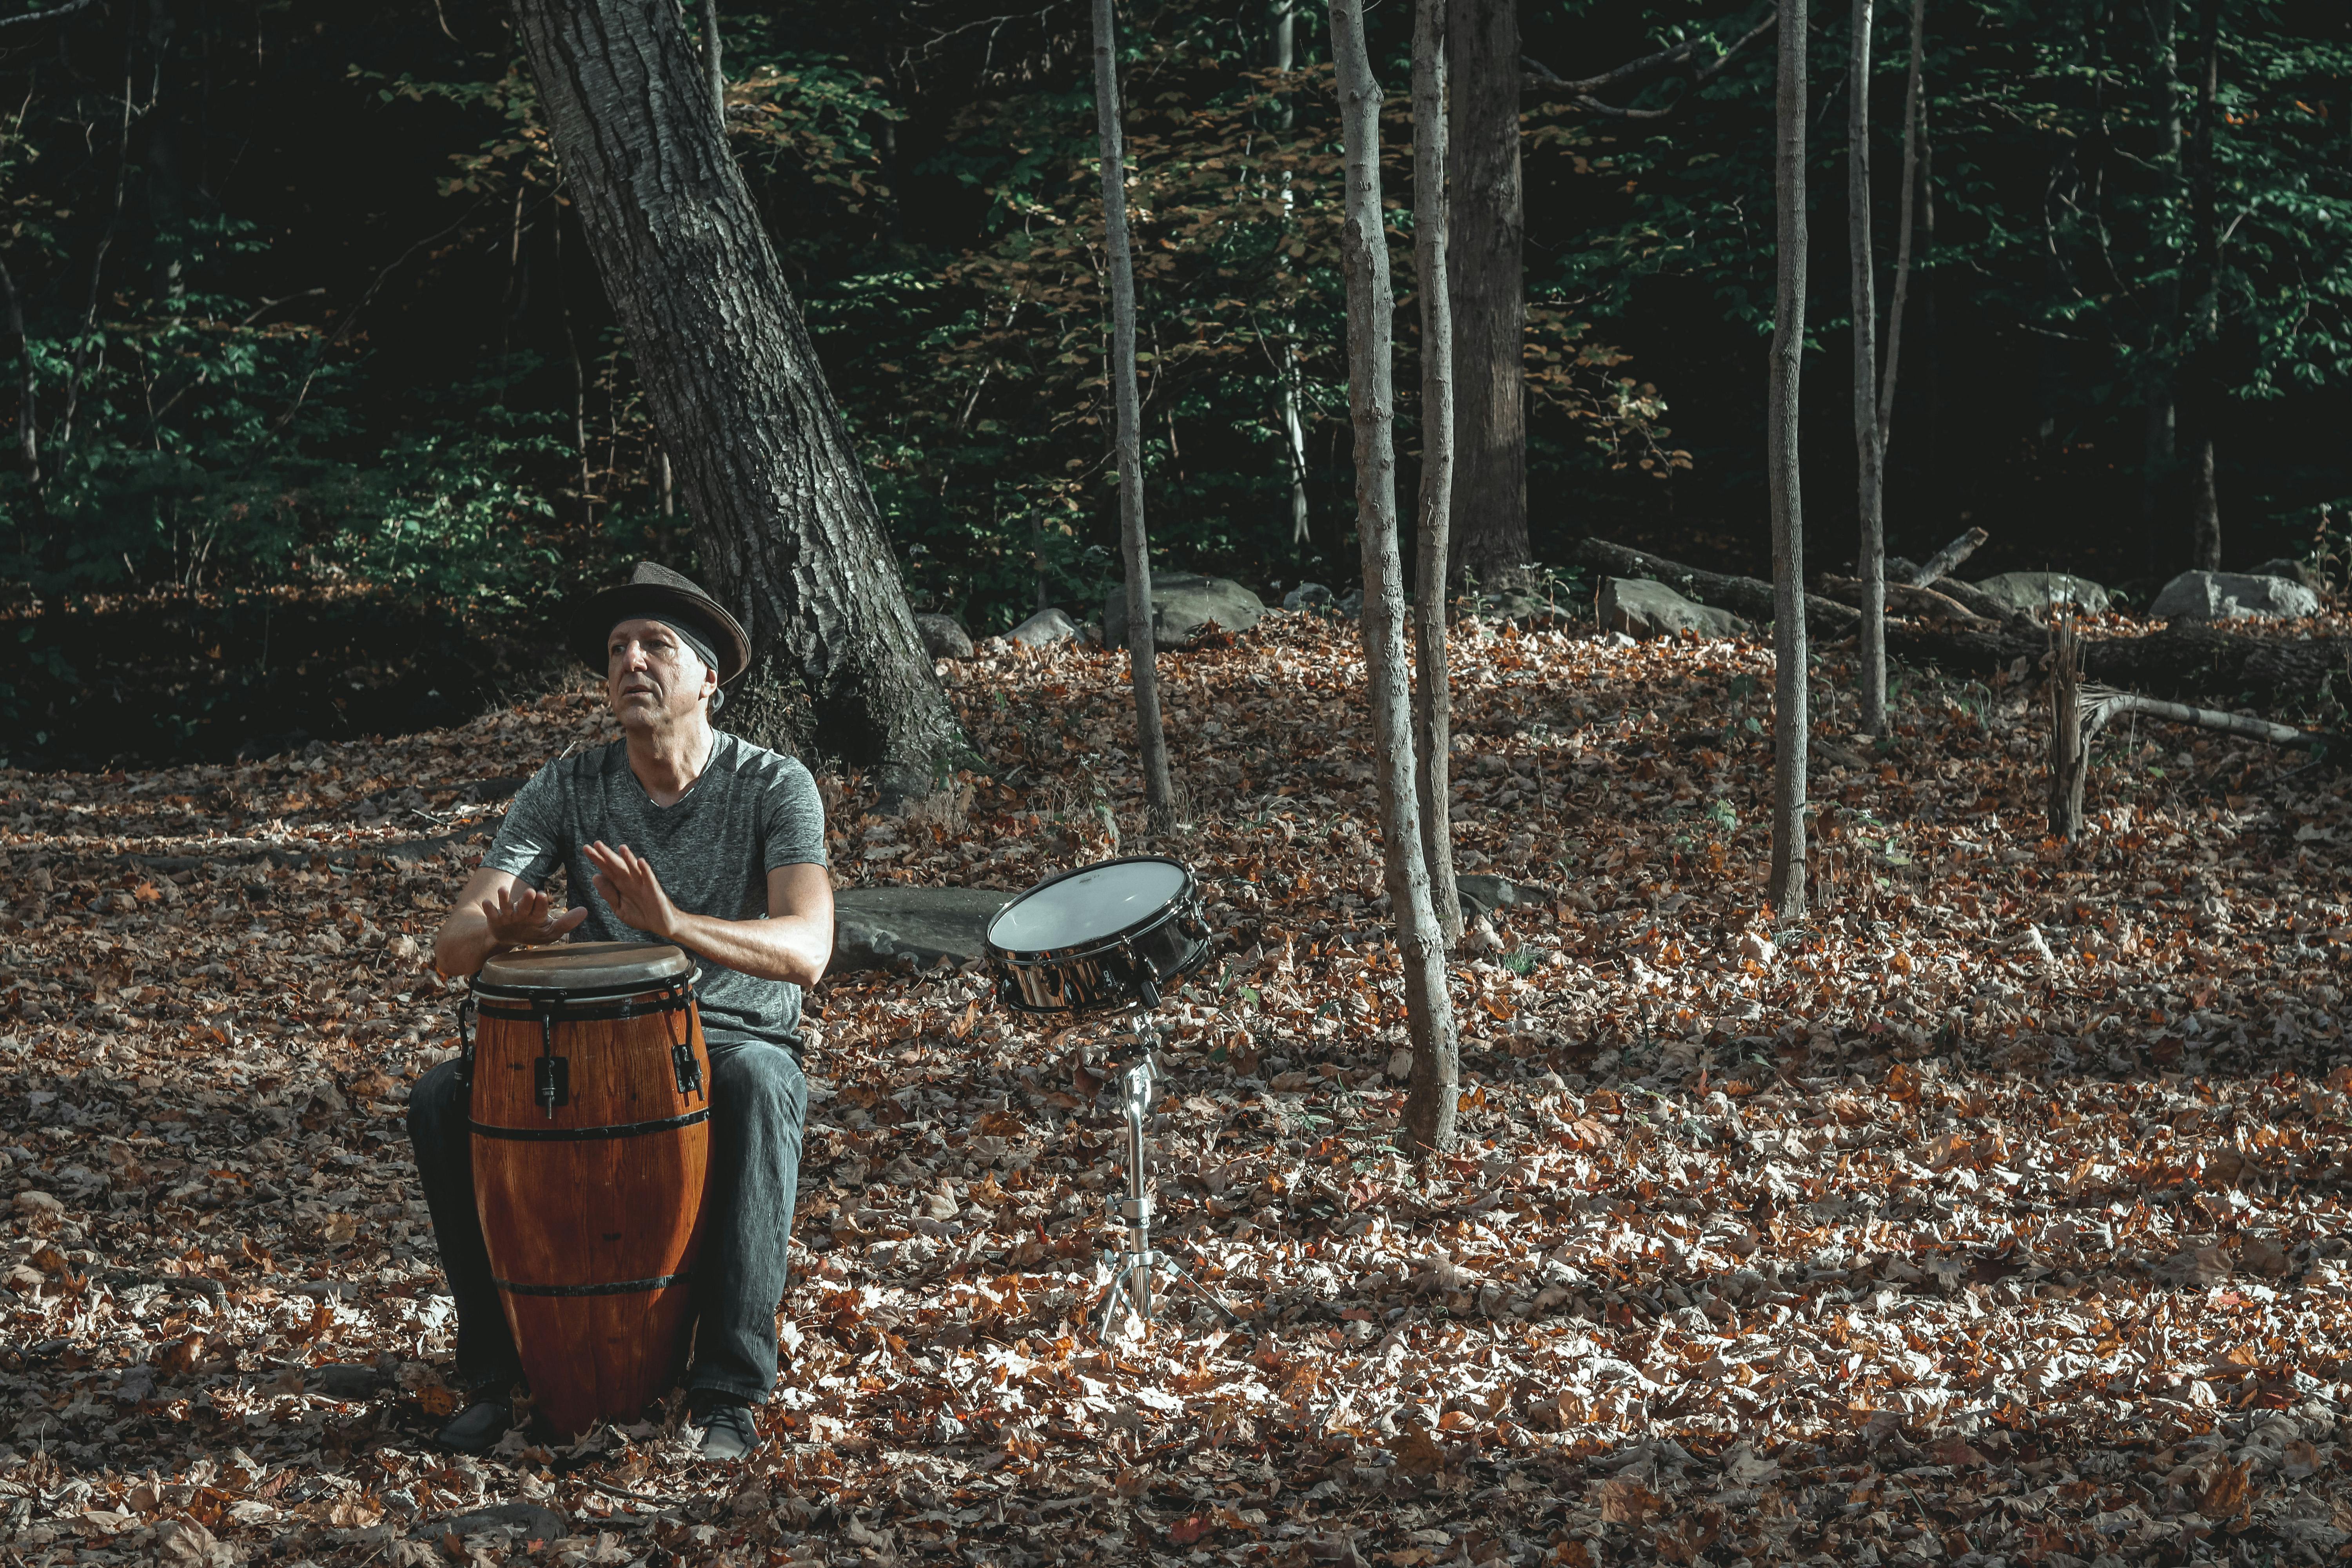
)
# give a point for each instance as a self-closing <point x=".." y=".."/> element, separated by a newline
<point x="655" y="593"/>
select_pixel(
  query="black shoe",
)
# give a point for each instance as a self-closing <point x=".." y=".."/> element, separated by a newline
<point x="728" y="1432"/>
<point x="477" y="1428"/>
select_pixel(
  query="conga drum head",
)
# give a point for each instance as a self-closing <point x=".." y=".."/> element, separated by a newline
<point x="584" y="969"/>
<point x="1109" y="935"/>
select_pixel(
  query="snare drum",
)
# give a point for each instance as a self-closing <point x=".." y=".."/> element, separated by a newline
<point x="1107" y="936"/>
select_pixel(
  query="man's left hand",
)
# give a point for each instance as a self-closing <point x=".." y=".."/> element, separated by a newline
<point x="625" y="881"/>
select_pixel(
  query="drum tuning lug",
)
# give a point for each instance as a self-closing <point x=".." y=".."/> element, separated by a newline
<point x="689" y="1071"/>
<point x="554" y="1084"/>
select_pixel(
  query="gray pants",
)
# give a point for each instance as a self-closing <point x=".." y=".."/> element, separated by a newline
<point x="759" y="1102"/>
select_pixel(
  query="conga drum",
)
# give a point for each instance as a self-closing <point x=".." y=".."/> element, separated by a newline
<point x="591" y="1138"/>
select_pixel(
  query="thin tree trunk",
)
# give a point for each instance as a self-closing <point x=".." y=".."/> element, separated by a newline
<point x="29" y="441"/>
<point x="579" y="381"/>
<point x="1914" y="106"/>
<point x="1787" y="890"/>
<point x="1870" y="550"/>
<point x="1485" y="231"/>
<point x="1430" y="1104"/>
<point x="2204" y="503"/>
<point x="1432" y="699"/>
<point x="1282" y="27"/>
<point x="783" y="519"/>
<point x="2070" y="754"/>
<point x="61" y="435"/>
<point x="1151" y="737"/>
<point x="712" y="62"/>
<point x="2160" y="428"/>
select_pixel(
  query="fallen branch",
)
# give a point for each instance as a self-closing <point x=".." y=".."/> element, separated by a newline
<point x="1951" y="555"/>
<point x="1904" y="599"/>
<point x="2101" y="703"/>
<point x="1749" y="596"/>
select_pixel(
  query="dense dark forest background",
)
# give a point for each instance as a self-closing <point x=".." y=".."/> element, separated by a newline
<point x="311" y="380"/>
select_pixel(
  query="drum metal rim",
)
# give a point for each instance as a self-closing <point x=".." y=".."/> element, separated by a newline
<point x="558" y="995"/>
<point x="1189" y="895"/>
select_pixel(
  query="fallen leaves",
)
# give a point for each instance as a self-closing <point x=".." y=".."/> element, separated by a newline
<point x="1767" y="1239"/>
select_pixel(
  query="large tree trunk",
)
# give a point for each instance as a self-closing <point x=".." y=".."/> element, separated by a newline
<point x="1430" y="1103"/>
<point x="1151" y="738"/>
<point x="1432" y="699"/>
<point x="1490" y="476"/>
<point x="784" y="522"/>
<point x="1786" y="888"/>
<point x="2204" y="503"/>
<point x="1870" y="557"/>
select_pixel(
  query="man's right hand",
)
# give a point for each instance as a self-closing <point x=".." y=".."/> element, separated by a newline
<point x="522" y="916"/>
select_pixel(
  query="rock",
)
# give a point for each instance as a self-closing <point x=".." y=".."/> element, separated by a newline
<point x="2029" y="593"/>
<point x="874" y="927"/>
<point x="1520" y="609"/>
<point x="2292" y="570"/>
<point x="1183" y="606"/>
<point x="2226" y="595"/>
<point x="346" y="1379"/>
<point x="1307" y="597"/>
<point x="1482" y="894"/>
<point x="1643" y="608"/>
<point x="942" y="638"/>
<point x="1351" y="604"/>
<point x="1044" y="629"/>
<point x="527" y="1520"/>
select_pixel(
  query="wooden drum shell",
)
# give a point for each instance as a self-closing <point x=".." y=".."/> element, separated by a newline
<point x="591" y="1210"/>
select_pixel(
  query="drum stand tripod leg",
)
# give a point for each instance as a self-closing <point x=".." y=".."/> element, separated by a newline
<point x="1132" y="1276"/>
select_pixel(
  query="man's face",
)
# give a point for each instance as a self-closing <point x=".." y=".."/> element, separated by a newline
<point x="650" y="676"/>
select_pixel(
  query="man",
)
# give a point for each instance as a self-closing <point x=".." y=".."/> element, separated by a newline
<point x="676" y="833"/>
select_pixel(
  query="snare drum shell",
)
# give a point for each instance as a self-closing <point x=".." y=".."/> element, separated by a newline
<point x="1104" y="973"/>
<point x="593" y="1215"/>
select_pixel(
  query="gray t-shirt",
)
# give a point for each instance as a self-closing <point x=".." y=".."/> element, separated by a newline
<point x="752" y="811"/>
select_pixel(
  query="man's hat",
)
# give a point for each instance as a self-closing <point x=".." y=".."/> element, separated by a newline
<point x="655" y="593"/>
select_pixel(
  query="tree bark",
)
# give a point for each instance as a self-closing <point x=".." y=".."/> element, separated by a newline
<point x="1432" y="698"/>
<point x="1430" y="1103"/>
<point x="1142" y="661"/>
<point x="1870" y="556"/>
<point x="2204" y="503"/>
<point x="782" y="517"/>
<point x="1786" y="888"/>
<point x="1486" y="227"/>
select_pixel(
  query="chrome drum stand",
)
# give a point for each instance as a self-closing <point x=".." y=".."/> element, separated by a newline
<point x="1133" y="1271"/>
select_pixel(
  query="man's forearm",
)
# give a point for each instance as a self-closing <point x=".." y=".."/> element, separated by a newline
<point x="779" y="947"/>
<point x="465" y="943"/>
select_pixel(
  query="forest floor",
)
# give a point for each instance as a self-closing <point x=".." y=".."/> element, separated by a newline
<point x="1995" y="1211"/>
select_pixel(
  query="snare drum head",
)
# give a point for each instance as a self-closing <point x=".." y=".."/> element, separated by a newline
<point x="1088" y="906"/>
<point x="608" y="967"/>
